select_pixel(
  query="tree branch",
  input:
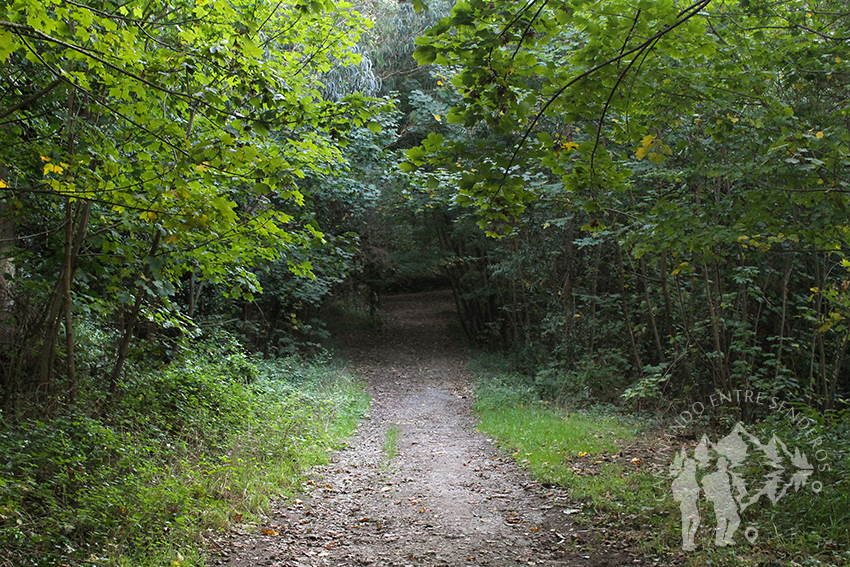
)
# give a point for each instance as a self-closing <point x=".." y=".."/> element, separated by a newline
<point x="31" y="99"/>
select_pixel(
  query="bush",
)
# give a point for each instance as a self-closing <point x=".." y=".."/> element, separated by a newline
<point x="186" y="450"/>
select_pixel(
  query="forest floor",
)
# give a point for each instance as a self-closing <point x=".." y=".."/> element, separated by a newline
<point x="418" y="485"/>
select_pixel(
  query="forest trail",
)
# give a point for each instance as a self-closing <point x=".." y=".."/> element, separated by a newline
<point x="447" y="498"/>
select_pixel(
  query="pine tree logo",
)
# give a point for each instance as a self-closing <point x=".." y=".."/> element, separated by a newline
<point x="715" y="471"/>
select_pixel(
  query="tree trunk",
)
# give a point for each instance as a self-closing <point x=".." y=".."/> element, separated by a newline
<point x="650" y="312"/>
<point x="626" y="315"/>
<point x="717" y="360"/>
<point x="840" y="350"/>
<point x="781" y="337"/>
<point x="8" y="330"/>
<point x="79" y="237"/>
<point x="130" y="325"/>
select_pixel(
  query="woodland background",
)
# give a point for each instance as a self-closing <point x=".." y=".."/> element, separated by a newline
<point x="639" y="202"/>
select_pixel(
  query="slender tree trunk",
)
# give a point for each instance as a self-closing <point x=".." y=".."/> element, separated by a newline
<point x="130" y="326"/>
<point x="8" y="327"/>
<point x="463" y="316"/>
<point x="668" y="303"/>
<point x="781" y="341"/>
<point x="717" y="362"/>
<point x="569" y="263"/>
<point x="818" y="379"/>
<point x="626" y="315"/>
<point x="191" y="310"/>
<point x="840" y="350"/>
<point x="79" y="237"/>
<point x="651" y="313"/>
<point x="687" y="377"/>
<point x="66" y="298"/>
<point x="594" y="289"/>
<point x="725" y="339"/>
<point x="57" y="299"/>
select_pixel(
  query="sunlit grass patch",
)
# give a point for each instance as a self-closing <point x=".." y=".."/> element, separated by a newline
<point x="572" y="448"/>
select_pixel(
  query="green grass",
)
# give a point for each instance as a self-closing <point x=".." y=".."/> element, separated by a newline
<point x="185" y="453"/>
<point x="551" y="440"/>
<point x="391" y="438"/>
<point x="573" y="449"/>
<point x="544" y="438"/>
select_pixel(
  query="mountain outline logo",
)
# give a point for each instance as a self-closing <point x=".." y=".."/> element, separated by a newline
<point x="713" y="470"/>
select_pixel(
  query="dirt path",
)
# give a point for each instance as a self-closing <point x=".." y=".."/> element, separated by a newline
<point x="447" y="498"/>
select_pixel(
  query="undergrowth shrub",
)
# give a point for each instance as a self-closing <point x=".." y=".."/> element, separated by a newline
<point x="184" y="452"/>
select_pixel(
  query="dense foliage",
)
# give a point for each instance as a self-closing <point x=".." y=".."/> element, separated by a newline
<point x="153" y="150"/>
<point x="670" y="184"/>
<point x="189" y="451"/>
<point x="643" y="202"/>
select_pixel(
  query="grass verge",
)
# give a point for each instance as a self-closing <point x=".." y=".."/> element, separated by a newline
<point x="181" y="455"/>
<point x="617" y="469"/>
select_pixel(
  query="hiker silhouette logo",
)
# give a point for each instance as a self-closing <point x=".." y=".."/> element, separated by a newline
<point x="716" y="472"/>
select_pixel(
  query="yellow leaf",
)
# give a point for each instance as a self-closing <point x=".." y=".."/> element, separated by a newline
<point x="172" y="238"/>
<point x="838" y="59"/>
<point x="438" y="118"/>
<point x="647" y="140"/>
<point x="570" y="146"/>
<point x="656" y="157"/>
<point x="440" y="83"/>
<point x="732" y="118"/>
<point x="641" y="153"/>
<point x="269" y="531"/>
<point x="45" y="158"/>
<point x="819" y="135"/>
<point x="3" y="184"/>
